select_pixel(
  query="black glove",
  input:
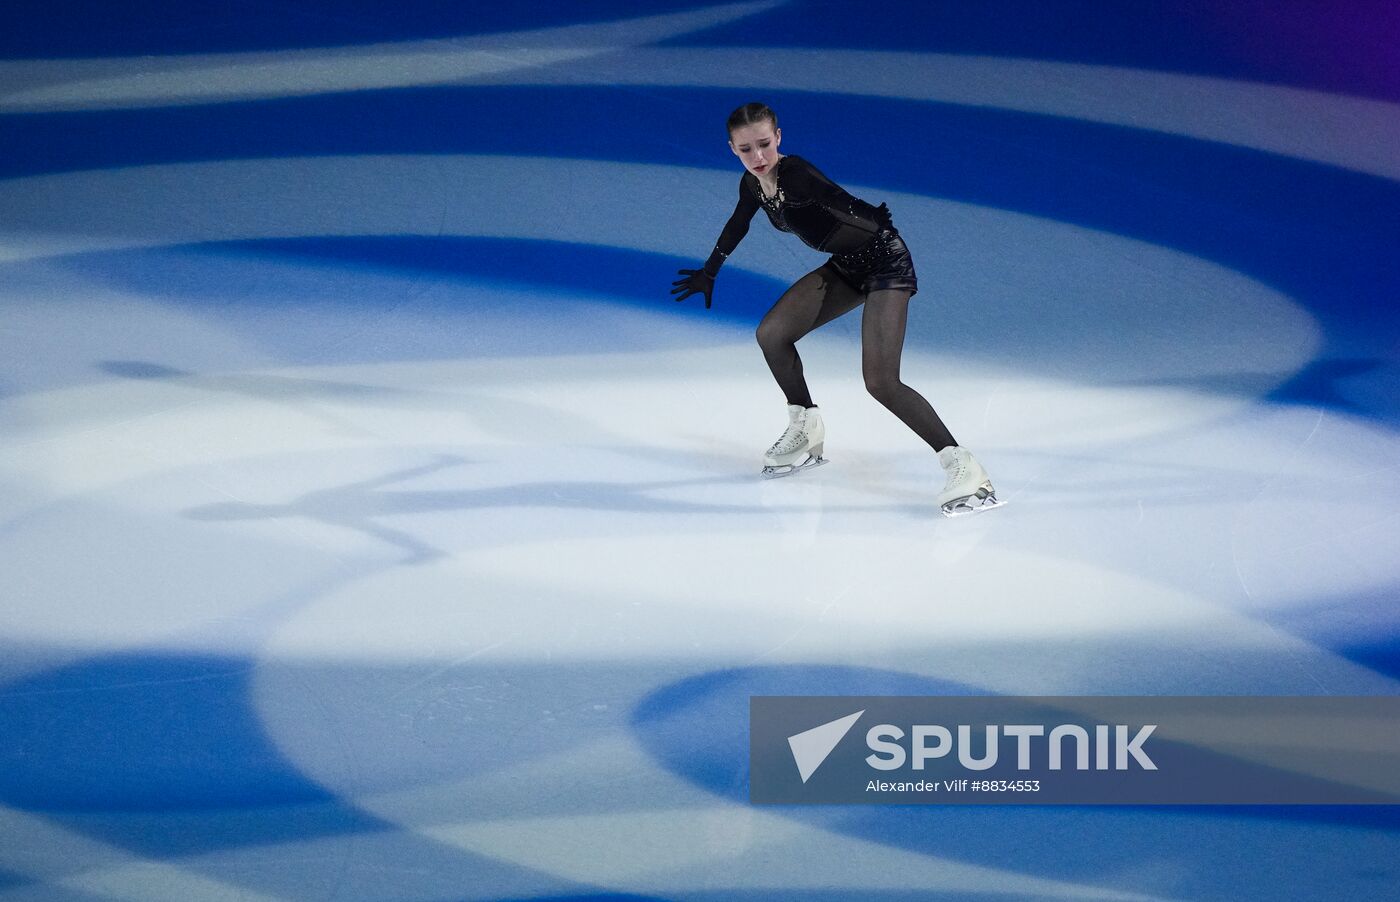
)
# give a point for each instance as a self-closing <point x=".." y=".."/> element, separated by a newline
<point x="882" y="214"/>
<point x="696" y="281"/>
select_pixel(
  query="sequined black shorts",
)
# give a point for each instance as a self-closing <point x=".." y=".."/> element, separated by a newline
<point x="884" y="262"/>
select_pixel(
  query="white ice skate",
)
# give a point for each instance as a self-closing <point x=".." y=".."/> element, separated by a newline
<point x="968" y="489"/>
<point x="800" y="447"/>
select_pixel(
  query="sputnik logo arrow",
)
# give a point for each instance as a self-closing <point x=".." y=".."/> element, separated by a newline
<point x="811" y="747"/>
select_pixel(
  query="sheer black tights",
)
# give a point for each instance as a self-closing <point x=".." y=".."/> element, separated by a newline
<point x="820" y="297"/>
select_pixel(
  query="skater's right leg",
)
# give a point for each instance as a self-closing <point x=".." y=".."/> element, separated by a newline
<point x="813" y="300"/>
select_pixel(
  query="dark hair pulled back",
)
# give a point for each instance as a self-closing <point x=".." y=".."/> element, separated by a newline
<point x="751" y="114"/>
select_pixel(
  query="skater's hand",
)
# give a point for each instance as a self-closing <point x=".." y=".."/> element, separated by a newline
<point x="885" y="220"/>
<point x="696" y="281"/>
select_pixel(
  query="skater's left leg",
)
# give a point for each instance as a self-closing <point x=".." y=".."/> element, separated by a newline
<point x="882" y="344"/>
<point x="967" y="488"/>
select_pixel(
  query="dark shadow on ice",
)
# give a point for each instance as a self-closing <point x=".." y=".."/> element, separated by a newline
<point x="260" y="386"/>
<point x="357" y="506"/>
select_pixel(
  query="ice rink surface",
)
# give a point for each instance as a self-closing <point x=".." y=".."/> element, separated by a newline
<point x="373" y="526"/>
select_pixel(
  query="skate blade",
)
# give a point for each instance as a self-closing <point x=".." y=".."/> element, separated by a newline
<point x="984" y="499"/>
<point x="811" y="463"/>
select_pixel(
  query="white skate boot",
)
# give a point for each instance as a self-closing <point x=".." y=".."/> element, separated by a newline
<point x="800" y="447"/>
<point x="968" y="489"/>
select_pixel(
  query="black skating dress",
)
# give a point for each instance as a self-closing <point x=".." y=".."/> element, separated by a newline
<point x="866" y="250"/>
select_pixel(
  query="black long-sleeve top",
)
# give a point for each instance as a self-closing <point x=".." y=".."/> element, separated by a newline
<point x="808" y="204"/>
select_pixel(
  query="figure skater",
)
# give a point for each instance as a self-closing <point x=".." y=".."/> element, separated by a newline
<point x="869" y="265"/>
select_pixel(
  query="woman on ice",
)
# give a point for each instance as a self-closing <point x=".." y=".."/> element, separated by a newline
<point x="869" y="265"/>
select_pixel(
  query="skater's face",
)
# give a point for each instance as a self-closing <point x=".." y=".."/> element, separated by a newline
<point x="757" y="146"/>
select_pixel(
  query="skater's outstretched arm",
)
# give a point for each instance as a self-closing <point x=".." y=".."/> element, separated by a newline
<point x="702" y="281"/>
<point x="734" y="230"/>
